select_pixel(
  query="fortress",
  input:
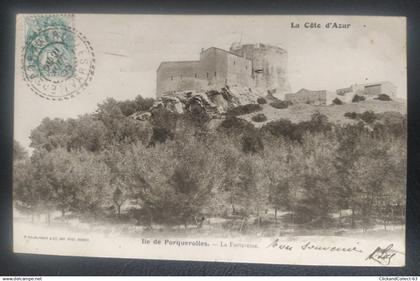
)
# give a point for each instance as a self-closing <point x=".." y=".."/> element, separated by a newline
<point x="259" y="67"/>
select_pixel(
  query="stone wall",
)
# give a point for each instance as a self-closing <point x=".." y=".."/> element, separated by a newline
<point x="179" y="76"/>
<point x="213" y="64"/>
<point x="239" y="71"/>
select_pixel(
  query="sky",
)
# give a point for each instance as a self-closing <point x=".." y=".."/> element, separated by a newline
<point x="129" y="48"/>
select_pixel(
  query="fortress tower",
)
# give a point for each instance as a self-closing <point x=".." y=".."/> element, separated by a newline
<point x="269" y="66"/>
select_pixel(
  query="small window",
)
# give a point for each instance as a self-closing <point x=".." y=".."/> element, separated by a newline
<point x="246" y="67"/>
<point x="207" y="75"/>
<point x="195" y="75"/>
<point x="234" y="62"/>
<point x="172" y="78"/>
<point x="215" y="74"/>
<point x="181" y="76"/>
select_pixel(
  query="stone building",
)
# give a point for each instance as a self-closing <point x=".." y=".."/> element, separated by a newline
<point x="308" y="96"/>
<point x="255" y="66"/>
<point x="374" y="89"/>
<point x="346" y="95"/>
<point x="370" y="89"/>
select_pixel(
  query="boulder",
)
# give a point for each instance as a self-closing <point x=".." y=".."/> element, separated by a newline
<point x="141" y="116"/>
<point x="171" y="103"/>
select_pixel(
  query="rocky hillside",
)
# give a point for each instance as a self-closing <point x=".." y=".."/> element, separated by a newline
<point x="216" y="105"/>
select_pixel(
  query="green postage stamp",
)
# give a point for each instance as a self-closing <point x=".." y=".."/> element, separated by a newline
<point x="58" y="61"/>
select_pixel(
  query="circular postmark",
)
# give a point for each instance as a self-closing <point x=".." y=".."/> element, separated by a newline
<point x="58" y="63"/>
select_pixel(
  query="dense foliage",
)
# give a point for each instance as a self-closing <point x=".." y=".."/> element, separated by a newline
<point x="261" y="100"/>
<point x="367" y="116"/>
<point x="337" y="101"/>
<point x="243" y="109"/>
<point x="358" y="98"/>
<point x="174" y="170"/>
<point x="383" y="97"/>
<point x="260" y="117"/>
<point x="279" y="104"/>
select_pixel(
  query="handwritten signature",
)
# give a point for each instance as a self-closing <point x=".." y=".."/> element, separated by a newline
<point x="383" y="256"/>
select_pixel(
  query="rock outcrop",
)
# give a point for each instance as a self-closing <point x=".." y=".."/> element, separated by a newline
<point x="213" y="102"/>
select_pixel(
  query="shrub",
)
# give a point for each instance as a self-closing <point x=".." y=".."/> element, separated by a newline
<point x="279" y="104"/>
<point x="383" y="97"/>
<point x="283" y="128"/>
<point x="160" y="135"/>
<point x="337" y="101"/>
<point x="244" y="109"/>
<point x="358" y="98"/>
<point x="235" y="126"/>
<point x="261" y="100"/>
<point x="260" y="117"/>
<point x="252" y="143"/>
<point x="295" y="132"/>
<point x="351" y="115"/>
<point x="368" y="116"/>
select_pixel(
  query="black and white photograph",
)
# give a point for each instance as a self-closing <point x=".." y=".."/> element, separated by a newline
<point x="267" y="139"/>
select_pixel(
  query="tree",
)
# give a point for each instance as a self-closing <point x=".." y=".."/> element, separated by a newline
<point x="128" y="107"/>
<point x="375" y="178"/>
<point x="71" y="181"/>
<point x="318" y="151"/>
<point x="93" y="177"/>
<point x="143" y="104"/>
<point x="171" y="181"/>
<point x="27" y="189"/>
<point x="50" y="134"/>
<point x="118" y="199"/>
<point x="32" y="192"/>
<point x="229" y="158"/>
<point x="19" y="152"/>
<point x="86" y="133"/>
<point x="347" y="153"/>
<point x="120" y="129"/>
<point x="278" y="172"/>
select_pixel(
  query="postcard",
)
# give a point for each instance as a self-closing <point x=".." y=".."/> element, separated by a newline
<point x="229" y="138"/>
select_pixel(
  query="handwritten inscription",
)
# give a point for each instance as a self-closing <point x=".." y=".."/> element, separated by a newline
<point x="278" y="245"/>
<point x="309" y="246"/>
<point x="383" y="255"/>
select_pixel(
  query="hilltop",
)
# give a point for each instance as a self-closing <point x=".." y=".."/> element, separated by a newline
<point x="302" y="112"/>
